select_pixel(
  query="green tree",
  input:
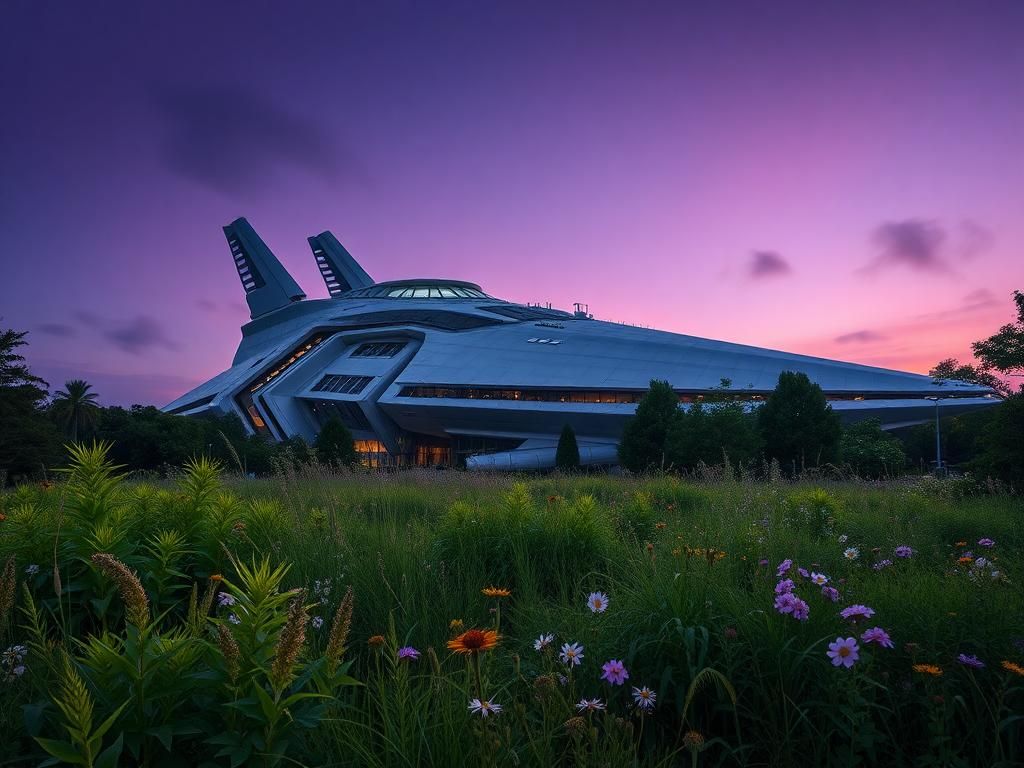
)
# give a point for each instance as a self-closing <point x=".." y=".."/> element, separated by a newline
<point x="870" y="451"/>
<point x="1004" y="350"/>
<point x="643" y="439"/>
<point x="567" y="457"/>
<point x="75" y="406"/>
<point x="711" y="433"/>
<point x="28" y="440"/>
<point x="951" y="368"/>
<point x="797" y="425"/>
<point x="1002" y="444"/>
<point x="334" y="444"/>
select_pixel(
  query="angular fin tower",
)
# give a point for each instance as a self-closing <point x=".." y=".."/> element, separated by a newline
<point x="340" y="271"/>
<point x="267" y="284"/>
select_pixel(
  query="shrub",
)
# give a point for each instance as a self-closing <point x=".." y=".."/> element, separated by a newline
<point x="797" y="425"/>
<point x="567" y="457"/>
<point x="643" y="439"/>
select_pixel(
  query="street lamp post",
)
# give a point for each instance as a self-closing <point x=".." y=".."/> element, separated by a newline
<point x="938" y="438"/>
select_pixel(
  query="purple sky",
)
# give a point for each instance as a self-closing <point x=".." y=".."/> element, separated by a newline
<point x="837" y="179"/>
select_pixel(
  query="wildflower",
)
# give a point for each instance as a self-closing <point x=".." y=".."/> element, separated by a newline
<point x="455" y="625"/>
<point x="784" y="567"/>
<point x="928" y="669"/>
<point x="31" y="570"/>
<point x="784" y="586"/>
<point x="790" y="603"/>
<point x="496" y="592"/>
<point x="693" y="741"/>
<point x="878" y="636"/>
<point x="18" y="671"/>
<point x="960" y="544"/>
<point x="233" y="618"/>
<point x="590" y="705"/>
<point x="970" y="661"/>
<point x="843" y="538"/>
<point x="375" y="641"/>
<point x="803" y="572"/>
<point x="317" y="622"/>
<point x="660" y="526"/>
<point x="136" y="603"/>
<point x="598" y="602"/>
<point x="965" y="560"/>
<point x="474" y="641"/>
<point x="762" y="562"/>
<point x="576" y="726"/>
<point x="819" y="578"/>
<point x="843" y="652"/>
<point x="289" y="642"/>
<point x="851" y="553"/>
<point x="408" y="652"/>
<point x="987" y="543"/>
<point x="225" y="599"/>
<point x="882" y="564"/>
<point x="1010" y="666"/>
<point x="484" y="707"/>
<point x="903" y="551"/>
<point x="644" y="698"/>
<point x="981" y="562"/>
<point x="572" y="654"/>
<point x="543" y="685"/>
<point x="543" y="642"/>
<point x="855" y="612"/>
<point x="614" y="672"/>
<point x="216" y="577"/>
<point x="730" y="633"/>
<point x="831" y="593"/>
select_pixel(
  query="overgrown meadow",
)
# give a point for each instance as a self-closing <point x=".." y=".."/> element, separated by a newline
<point x="446" y="619"/>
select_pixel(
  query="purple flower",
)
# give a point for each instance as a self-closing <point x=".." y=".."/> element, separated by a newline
<point x="784" y="586"/>
<point x="225" y="599"/>
<point x="903" y="551"/>
<point x="819" y="578"/>
<point x="855" y="612"/>
<point x="987" y="543"/>
<point x="317" y="622"/>
<point x="787" y="602"/>
<point x="234" y="619"/>
<point x="408" y="652"/>
<point x="803" y="572"/>
<point x="614" y="672"/>
<point x="843" y="652"/>
<point x="882" y="564"/>
<point x="878" y="636"/>
<point x="970" y="661"/>
<point x="784" y="567"/>
<point x="762" y="562"/>
<point x="831" y="593"/>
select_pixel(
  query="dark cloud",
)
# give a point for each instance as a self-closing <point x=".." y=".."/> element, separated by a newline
<point x="233" y="140"/>
<point x="860" y="337"/>
<point x="913" y="243"/>
<point x="767" y="264"/>
<point x="975" y="239"/>
<point x="56" y="329"/>
<point x="87" y="319"/>
<point x="138" y="335"/>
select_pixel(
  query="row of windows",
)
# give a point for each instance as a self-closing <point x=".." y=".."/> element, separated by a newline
<point x="345" y="385"/>
<point x="379" y="349"/>
<point x="418" y="292"/>
<point x="619" y="396"/>
<point x="287" y="363"/>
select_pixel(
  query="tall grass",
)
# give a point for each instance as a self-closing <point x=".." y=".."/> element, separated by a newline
<point x="691" y="614"/>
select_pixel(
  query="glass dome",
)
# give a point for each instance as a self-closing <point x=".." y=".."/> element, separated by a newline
<point x="419" y="289"/>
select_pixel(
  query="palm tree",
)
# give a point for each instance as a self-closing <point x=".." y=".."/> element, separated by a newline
<point x="75" y="405"/>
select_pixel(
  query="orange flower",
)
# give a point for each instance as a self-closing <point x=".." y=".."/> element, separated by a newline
<point x="660" y="526"/>
<point x="375" y="641"/>
<point x="1017" y="669"/>
<point x="216" y="577"/>
<point x="474" y="641"/>
<point x="964" y="560"/>
<point x="928" y="669"/>
<point x="2" y="517"/>
<point x="961" y="544"/>
<point x="496" y="592"/>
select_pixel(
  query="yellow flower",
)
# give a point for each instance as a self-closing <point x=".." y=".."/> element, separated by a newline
<point x="928" y="669"/>
<point x="1017" y="669"/>
<point x="455" y="625"/>
<point x="496" y="592"/>
<point x="474" y="641"/>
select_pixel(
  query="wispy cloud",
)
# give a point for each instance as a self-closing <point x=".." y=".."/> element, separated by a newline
<point x="764" y="264"/>
<point x="974" y="239"/>
<point x="138" y="335"/>
<point x="231" y="139"/>
<point x="60" y="330"/>
<point x="914" y="243"/>
<point x="860" y="337"/>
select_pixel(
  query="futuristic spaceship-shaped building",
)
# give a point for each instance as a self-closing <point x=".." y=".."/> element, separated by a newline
<point x="436" y="372"/>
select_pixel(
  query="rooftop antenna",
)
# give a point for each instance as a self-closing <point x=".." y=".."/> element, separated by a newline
<point x="266" y="282"/>
<point x="340" y="271"/>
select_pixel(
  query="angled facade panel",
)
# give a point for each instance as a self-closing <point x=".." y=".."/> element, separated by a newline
<point x="341" y="272"/>
<point x="266" y="282"/>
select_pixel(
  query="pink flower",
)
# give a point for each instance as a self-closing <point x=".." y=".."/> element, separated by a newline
<point x="790" y="603"/>
<point x="855" y="612"/>
<point x="614" y="672"/>
<point x="878" y="636"/>
<point x="844" y="652"/>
